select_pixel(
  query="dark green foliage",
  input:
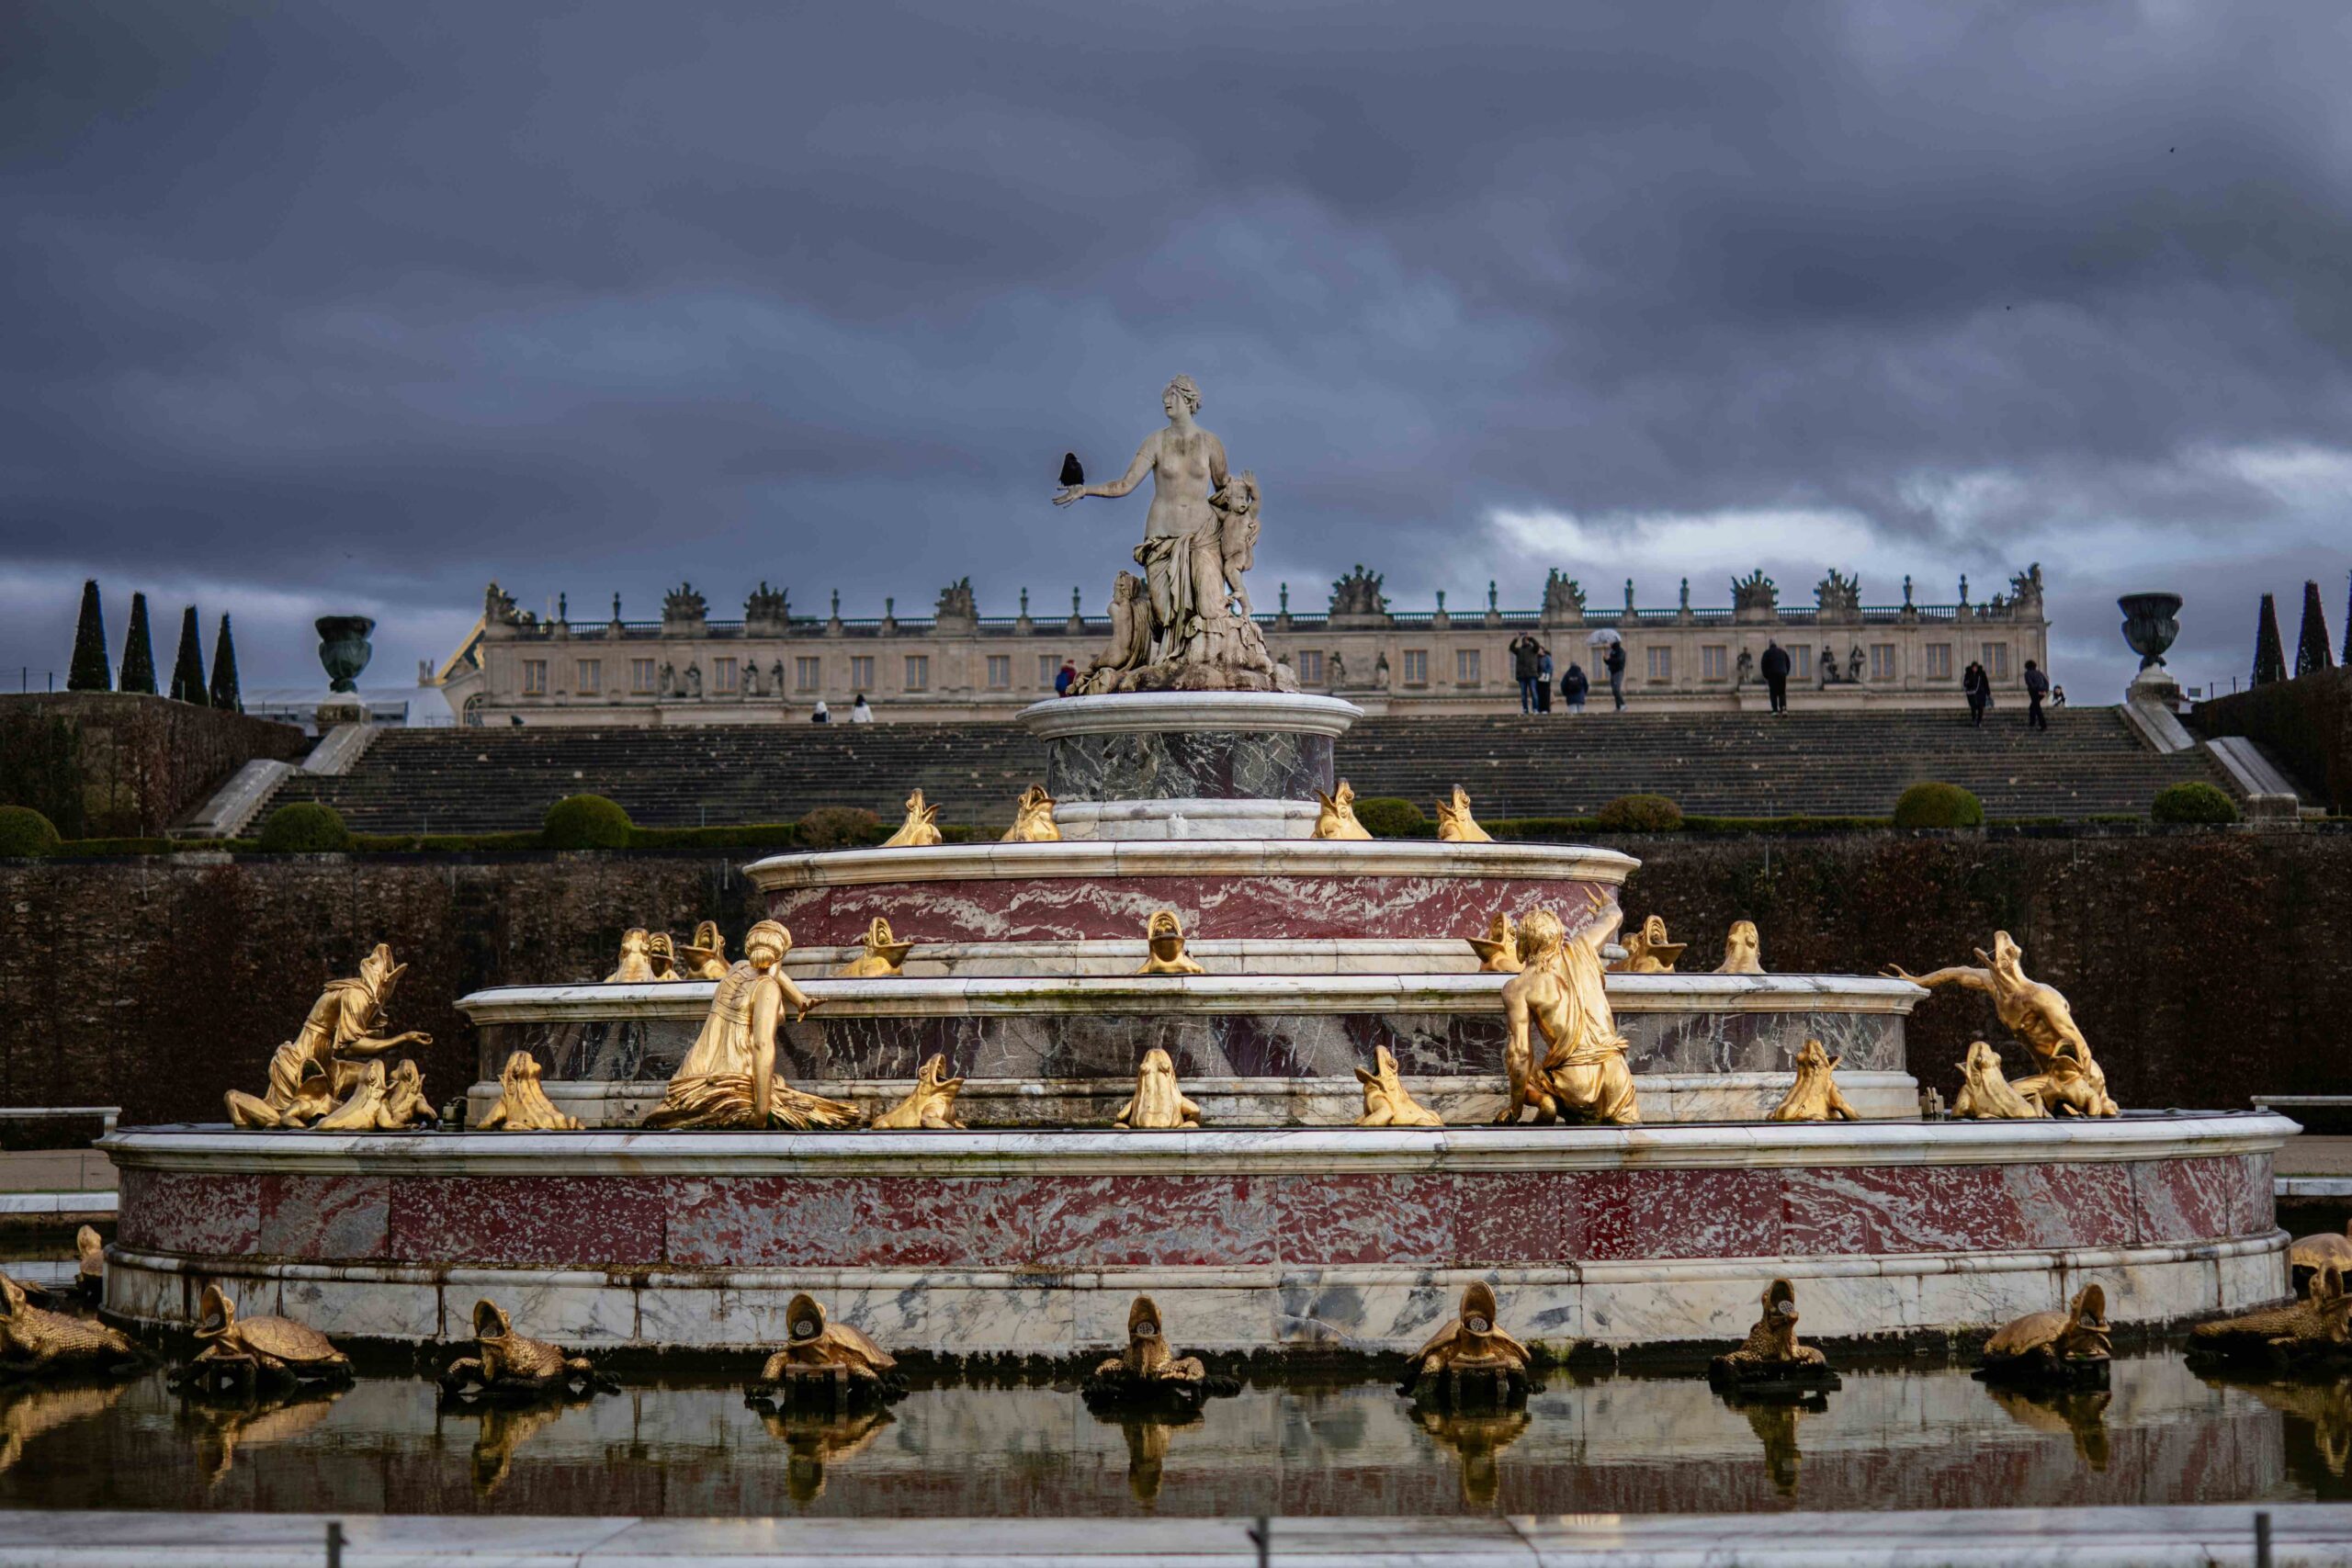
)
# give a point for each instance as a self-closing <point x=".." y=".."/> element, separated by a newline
<point x="188" y="669"/>
<point x="840" y="828"/>
<point x="89" y="672"/>
<point x="1639" y="813"/>
<point x="223" y="691"/>
<point x="1385" y="816"/>
<point x="2311" y="642"/>
<point x="2269" y="659"/>
<point x="25" y="832"/>
<point x="138" y="652"/>
<point x="2347" y="624"/>
<point x="585" y="822"/>
<point x="304" y="828"/>
<point x="2192" y="800"/>
<point x="1938" y="805"/>
<point x="41" y="767"/>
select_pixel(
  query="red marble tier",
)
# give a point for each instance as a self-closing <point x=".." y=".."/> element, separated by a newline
<point x="1076" y="1220"/>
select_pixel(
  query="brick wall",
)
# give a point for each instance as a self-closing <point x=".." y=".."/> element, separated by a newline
<point x="2204" y="966"/>
<point x="117" y="764"/>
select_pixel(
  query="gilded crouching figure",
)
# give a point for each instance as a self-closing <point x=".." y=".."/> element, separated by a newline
<point x="883" y="954"/>
<point x="1471" y="1362"/>
<point x="635" y="965"/>
<point x="1147" y="1375"/>
<point x="1455" y="823"/>
<point x="1158" y="1105"/>
<point x="824" y="1364"/>
<point x="2069" y="1080"/>
<point x="729" y="1079"/>
<point x="89" y="1265"/>
<point x="931" y="1102"/>
<point x="256" y="1354"/>
<point x="919" y="830"/>
<point x="35" y="1342"/>
<point x="522" y="1105"/>
<point x="1815" y="1096"/>
<point x="1559" y="995"/>
<point x="2069" y="1347"/>
<point x="343" y="1034"/>
<point x="507" y="1364"/>
<point x="2316" y="1328"/>
<point x="1387" y="1102"/>
<point x="1769" y="1361"/>
<point x="1033" y="818"/>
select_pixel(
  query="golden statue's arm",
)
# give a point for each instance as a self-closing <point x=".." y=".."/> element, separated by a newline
<point x="1517" y="1061"/>
<point x="357" y="1042"/>
<point x="1147" y="457"/>
<point x="803" y="1004"/>
<point x="1958" y="975"/>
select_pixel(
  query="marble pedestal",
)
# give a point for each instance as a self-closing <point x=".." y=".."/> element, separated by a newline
<point x="1252" y="747"/>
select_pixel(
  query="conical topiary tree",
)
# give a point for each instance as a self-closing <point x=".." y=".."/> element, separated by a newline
<point x="225" y="694"/>
<point x="187" y="669"/>
<point x="2269" y="659"/>
<point x="89" y="672"/>
<point x="2311" y="641"/>
<point x="138" y="652"/>
<point x="2347" y="624"/>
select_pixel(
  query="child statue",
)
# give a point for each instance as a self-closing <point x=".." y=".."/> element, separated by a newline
<point x="729" y="1079"/>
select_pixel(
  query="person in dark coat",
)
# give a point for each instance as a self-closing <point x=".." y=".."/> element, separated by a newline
<point x="1065" y="678"/>
<point x="2037" y="688"/>
<point x="1526" y="660"/>
<point x="1574" y="685"/>
<point x="1979" y="689"/>
<point x="1615" y="665"/>
<point x="1775" y="666"/>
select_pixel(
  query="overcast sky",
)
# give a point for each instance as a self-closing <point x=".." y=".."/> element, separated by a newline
<point x="330" y="307"/>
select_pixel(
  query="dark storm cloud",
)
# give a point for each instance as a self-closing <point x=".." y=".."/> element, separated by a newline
<point x="322" y="306"/>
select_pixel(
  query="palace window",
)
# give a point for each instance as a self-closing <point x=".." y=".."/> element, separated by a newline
<point x="918" y="672"/>
<point x="641" y="677"/>
<point x="1047" y="667"/>
<point x="1416" y="667"/>
<point x="1939" y="661"/>
<point x="723" y="676"/>
<point x="861" y="672"/>
<point x="1882" y="661"/>
<point x="1997" y="661"/>
<point x="1661" y="663"/>
<point x="999" y="671"/>
<point x="1714" y="661"/>
<point x="591" y="678"/>
<point x="1466" y="666"/>
<point x="808" y="672"/>
<point x="1310" y="666"/>
<point x="1801" y="663"/>
<point x="535" y="677"/>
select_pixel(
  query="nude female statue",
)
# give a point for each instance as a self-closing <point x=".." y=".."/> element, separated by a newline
<point x="1186" y="465"/>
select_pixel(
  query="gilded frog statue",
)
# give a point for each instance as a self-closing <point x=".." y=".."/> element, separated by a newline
<point x="931" y="1103"/>
<point x="505" y="1362"/>
<point x="824" y="1362"/>
<point x="35" y="1342"/>
<point x="1158" y="1105"/>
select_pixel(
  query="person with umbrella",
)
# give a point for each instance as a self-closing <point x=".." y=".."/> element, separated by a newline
<point x="1613" y="661"/>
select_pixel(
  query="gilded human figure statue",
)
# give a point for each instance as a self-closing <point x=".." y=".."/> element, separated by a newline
<point x="2070" y="1079"/>
<point x="1559" y="993"/>
<point x="729" y="1079"/>
<point x="344" y="1031"/>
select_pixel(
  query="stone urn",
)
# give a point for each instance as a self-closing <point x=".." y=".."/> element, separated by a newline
<point x="2149" y="625"/>
<point x="343" y="649"/>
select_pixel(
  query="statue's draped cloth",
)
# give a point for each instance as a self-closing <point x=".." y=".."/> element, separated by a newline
<point x="1587" y="1064"/>
<point x="713" y="1087"/>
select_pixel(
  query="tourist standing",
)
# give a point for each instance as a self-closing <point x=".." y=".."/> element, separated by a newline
<point x="1979" y="690"/>
<point x="1525" y="660"/>
<point x="1615" y="664"/>
<point x="1574" y="685"/>
<point x="2037" y="687"/>
<point x="859" y="713"/>
<point x="1064" y="680"/>
<point x="1775" y="665"/>
<point x="1543" y="681"/>
<point x="822" y="715"/>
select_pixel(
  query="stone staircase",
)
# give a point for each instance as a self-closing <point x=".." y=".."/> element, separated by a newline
<point x="1838" y="764"/>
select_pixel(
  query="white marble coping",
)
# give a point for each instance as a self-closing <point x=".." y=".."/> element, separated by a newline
<point x="92" y="1200"/>
<point x="1203" y="1152"/>
<point x="958" y="996"/>
<point x="1248" y="713"/>
<point x="1188" y="857"/>
<point x="2308" y="1535"/>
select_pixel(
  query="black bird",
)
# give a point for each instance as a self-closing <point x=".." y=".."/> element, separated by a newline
<point x="1073" y="472"/>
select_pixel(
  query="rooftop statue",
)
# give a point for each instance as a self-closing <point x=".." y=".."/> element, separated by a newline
<point x="1199" y="537"/>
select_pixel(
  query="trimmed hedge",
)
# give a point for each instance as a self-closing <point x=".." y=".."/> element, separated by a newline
<point x="2192" y="800"/>
<point x="1387" y="817"/>
<point x="304" y="828"/>
<point x="1639" y="813"/>
<point x="1938" y="805"/>
<point x="840" y="828"/>
<point x="585" y="822"/>
<point x="26" y="833"/>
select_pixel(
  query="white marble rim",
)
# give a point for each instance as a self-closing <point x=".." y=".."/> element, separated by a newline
<point x="1248" y="713"/>
<point x="1100" y="858"/>
<point x="962" y="996"/>
<point x="1206" y="1151"/>
<point x="1269" y="1088"/>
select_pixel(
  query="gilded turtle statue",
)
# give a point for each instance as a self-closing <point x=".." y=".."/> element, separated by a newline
<point x="1770" y="1359"/>
<point x="255" y="1352"/>
<point x="2069" y="1347"/>
<point x="824" y="1363"/>
<point x="1471" y="1362"/>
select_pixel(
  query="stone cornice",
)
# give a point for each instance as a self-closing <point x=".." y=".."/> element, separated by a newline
<point x="1188" y="857"/>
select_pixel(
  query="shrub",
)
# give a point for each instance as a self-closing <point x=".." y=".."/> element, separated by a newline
<point x="585" y="822"/>
<point x="1938" y="805"/>
<point x="1639" y="813"/>
<point x="304" y="828"/>
<point x="2192" y="800"/>
<point x="25" y="832"/>
<point x="1385" y="816"/>
<point x="840" y="828"/>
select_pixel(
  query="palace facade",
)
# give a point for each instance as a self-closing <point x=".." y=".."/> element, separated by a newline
<point x="773" y="665"/>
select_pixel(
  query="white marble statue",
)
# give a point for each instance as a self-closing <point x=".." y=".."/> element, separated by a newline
<point x="1198" y="540"/>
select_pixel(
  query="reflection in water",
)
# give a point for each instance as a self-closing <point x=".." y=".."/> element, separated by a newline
<point x="507" y="1424"/>
<point x="2080" y="1413"/>
<point x="1476" y="1439"/>
<point x="1914" y="1437"/>
<point x="216" y="1423"/>
<point x="1772" y="1417"/>
<point x="811" y="1441"/>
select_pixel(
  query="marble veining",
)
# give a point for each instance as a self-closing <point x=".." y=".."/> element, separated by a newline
<point x="1211" y="764"/>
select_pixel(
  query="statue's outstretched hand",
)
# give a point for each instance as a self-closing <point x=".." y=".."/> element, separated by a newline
<point x="811" y="1005"/>
<point x="1896" y="971"/>
<point x="1064" y="497"/>
<point x="414" y="1037"/>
